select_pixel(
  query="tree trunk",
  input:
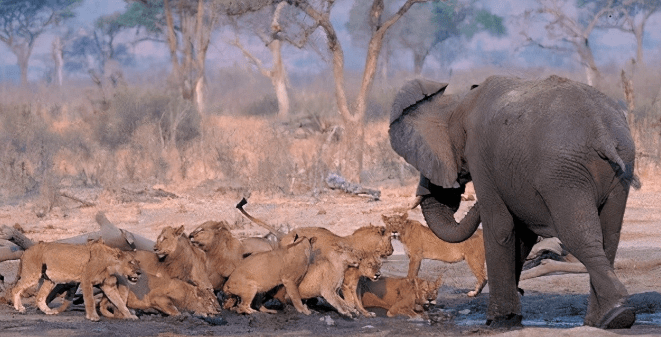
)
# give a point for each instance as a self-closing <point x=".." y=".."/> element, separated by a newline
<point x="418" y="62"/>
<point x="638" y="32"/>
<point x="22" y="53"/>
<point x="57" y="59"/>
<point x="593" y="75"/>
<point x="279" y="78"/>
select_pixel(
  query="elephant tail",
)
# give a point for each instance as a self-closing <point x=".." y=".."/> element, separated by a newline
<point x="624" y="171"/>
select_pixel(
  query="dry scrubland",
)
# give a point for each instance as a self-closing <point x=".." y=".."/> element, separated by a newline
<point x="140" y="134"/>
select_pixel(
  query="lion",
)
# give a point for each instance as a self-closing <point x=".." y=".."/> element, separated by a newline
<point x="400" y="296"/>
<point x="262" y="272"/>
<point x="181" y="259"/>
<point x="324" y="278"/>
<point x="369" y="268"/>
<point x="367" y="240"/>
<point x="421" y="243"/>
<point x="224" y="251"/>
<point x="92" y="264"/>
<point x="158" y="290"/>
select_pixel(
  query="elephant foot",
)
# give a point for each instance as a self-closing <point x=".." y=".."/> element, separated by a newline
<point x="509" y="321"/>
<point x="620" y="317"/>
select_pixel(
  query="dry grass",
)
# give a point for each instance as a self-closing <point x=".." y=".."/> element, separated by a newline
<point x="55" y="138"/>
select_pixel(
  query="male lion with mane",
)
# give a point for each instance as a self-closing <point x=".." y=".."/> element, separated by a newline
<point x="421" y="243"/>
<point x="92" y="264"/>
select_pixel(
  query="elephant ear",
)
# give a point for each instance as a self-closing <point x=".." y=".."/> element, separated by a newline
<point x="419" y="130"/>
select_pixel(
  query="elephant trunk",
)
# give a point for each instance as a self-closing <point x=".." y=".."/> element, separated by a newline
<point x="440" y="219"/>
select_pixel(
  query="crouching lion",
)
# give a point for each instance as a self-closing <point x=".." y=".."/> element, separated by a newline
<point x="157" y="290"/>
<point x="262" y="272"/>
<point x="370" y="269"/>
<point x="400" y="296"/>
<point x="421" y="243"/>
<point x="92" y="264"/>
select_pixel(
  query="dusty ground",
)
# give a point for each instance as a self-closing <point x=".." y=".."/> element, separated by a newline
<point x="553" y="305"/>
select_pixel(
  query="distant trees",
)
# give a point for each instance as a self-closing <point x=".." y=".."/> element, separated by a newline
<point x="426" y="26"/>
<point x="631" y="16"/>
<point x="569" y="24"/>
<point x="353" y="119"/>
<point x="275" y="25"/>
<point x="23" y="21"/>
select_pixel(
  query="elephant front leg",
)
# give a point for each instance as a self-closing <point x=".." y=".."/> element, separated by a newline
<point x="500" y="242"/>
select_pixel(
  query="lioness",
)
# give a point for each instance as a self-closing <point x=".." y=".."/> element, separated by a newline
<point x="92" y="264"/>
<point x="421" y="243"/>
<point x="401" y="296"/>
<point x="264" y="271"/>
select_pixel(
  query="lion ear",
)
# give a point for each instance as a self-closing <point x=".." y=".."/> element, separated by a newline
<point x="313" y="240"/>
<point x="179" y="230"/>
<point x="382" y="230"/>
<point x="384" y="218"/>
<point x="405" y="215"/>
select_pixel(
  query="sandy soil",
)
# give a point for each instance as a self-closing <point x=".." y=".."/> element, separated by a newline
<point x="552" y="305"/>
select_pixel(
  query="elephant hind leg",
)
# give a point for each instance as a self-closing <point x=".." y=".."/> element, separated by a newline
<point x="593" y="240"/>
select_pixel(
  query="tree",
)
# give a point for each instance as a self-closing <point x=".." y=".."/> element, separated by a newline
<point x="427" y="25"/>
<point x="354" y="133"/>
<point x="569" y="28"/>
<point x="631" y="16"/>
<point x="277" y="24"/>
<point x="23" y="21"/>
<point x="97" y="52"/>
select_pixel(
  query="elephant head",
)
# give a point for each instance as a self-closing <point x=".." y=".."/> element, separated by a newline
<point x="426" y="131"/>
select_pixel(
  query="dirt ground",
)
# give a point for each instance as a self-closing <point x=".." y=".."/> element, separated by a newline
<point x="552" y="305"/>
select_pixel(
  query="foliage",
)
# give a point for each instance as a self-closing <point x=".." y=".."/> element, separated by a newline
<point x="23" y="21"/>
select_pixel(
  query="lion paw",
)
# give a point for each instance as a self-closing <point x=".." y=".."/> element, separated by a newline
<point x="472" y="293"/>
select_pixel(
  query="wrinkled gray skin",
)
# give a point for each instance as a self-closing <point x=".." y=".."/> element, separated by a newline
<point x="550" y="158"/>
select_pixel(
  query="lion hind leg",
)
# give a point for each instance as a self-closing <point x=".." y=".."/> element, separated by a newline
<point x="165" y="305"/>
<point x="403" y="307"/>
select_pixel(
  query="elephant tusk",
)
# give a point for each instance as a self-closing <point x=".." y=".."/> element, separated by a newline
<point x="416" y="202"/>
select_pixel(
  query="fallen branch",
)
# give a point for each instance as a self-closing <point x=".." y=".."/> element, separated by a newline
<point x="85" y="203"/>
<point x="337" y="182"/>
<point x="16" y="236"/>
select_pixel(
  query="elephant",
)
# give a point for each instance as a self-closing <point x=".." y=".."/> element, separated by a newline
<point x="549" y="158"/>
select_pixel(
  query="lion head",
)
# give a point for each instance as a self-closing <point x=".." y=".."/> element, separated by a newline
<point x="167" y="241"/>
<point x="119" y="262"/>
<point x="374" y="239"/>
<point x="370" y="267"/>
<point x="426" y="292"/>
<point x="207" y="234"/>
<point x="395" y="224"/>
